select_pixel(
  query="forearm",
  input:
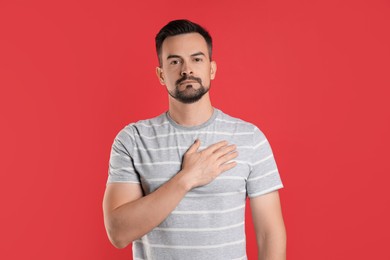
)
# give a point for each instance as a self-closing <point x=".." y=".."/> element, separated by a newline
<point x="132" y="220"/>
<point x="272" y="246"/>
<point x="128" y="215"/>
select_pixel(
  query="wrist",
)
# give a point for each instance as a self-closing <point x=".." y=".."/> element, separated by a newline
<point x="183" y="181"/>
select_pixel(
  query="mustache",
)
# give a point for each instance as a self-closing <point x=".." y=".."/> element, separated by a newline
<point x="185" y="77"/>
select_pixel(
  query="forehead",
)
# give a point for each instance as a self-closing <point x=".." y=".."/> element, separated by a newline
<point x="184" y="45"/>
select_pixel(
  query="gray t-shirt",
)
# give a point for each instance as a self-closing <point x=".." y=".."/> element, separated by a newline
<point x="209" y="222"/>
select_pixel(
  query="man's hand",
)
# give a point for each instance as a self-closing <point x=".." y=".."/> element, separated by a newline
<point x="201" y="167"/>
<point x="129" y="215"/>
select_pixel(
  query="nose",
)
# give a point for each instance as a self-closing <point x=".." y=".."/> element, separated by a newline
<point x="186" y="70"/>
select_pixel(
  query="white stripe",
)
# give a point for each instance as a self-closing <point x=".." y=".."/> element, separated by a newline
<point x="201" y="212"/>
<point x="158" y="179"/>
<point x="158" y="163"/>
<point x="130" y="134"/>
<point x="195" y="133"/>
<point x="152" y="125"/>
<point x="128" y="169"/>
<point x="260" y="144"/>
<point x="118" y="172"/>
<point x="116" y="181"/>
<point x="245" y="147"/>
<point x="230" y="178"/>
<point x="264" y="175"/>
<point x="232" y="122"/>
<point x="222" y="194"/>
<point x="241" y="162"/>
<point x="116" y="154"/>
<point x="263" y="160"/>
<point x="183" y="148"/>
<point x="192" y="247"/>
<point x="218" y="178"/>
<point x="266" y="191"/>
<point x="162" y="148"/>
<point x="240" y="258"/>
<point x="198" y="229"/>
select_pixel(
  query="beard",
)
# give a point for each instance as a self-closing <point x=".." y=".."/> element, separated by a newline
<point x="189" y="94"/>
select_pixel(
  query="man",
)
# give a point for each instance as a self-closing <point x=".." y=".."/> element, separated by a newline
<point x="178" y="183"/>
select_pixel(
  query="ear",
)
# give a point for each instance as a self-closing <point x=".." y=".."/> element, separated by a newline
<point x="213" y="69"/>
<point x="160" y="75"/>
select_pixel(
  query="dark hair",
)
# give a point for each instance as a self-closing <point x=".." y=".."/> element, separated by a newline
<point x="177" y="27"/>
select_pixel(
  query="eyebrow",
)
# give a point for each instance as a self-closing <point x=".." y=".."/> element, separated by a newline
<point x="173" y="56"/>
<point x="197" y="54"/>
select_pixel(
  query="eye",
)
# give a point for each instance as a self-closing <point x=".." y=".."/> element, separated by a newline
<point x="198" y="59"/>
<point x="174" y="62"/>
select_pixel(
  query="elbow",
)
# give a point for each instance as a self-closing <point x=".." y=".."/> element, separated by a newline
<point x="273" y="244"/>
<point x="119" y="235"/>
<point x="117" y="241"/>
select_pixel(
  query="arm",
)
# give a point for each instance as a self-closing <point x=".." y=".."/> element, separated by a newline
<point x="129" y="215"/>
<point x="269" y="226"/>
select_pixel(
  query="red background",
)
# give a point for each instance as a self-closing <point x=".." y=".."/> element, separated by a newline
<point x="313" y="75"/>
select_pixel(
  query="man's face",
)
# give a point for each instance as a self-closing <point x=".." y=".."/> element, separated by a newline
<point x="186" y="70"/>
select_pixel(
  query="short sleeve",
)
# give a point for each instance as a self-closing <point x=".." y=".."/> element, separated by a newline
<point x="264" y="175"/>
<point x="121" y="166"/>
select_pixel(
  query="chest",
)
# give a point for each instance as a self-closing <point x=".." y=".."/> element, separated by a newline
<point x="157" y="160"/>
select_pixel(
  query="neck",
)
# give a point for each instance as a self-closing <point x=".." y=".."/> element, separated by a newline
<point x="191" y="114"/>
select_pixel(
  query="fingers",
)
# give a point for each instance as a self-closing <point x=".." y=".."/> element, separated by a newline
<point x="224" y="150"/>
<point x="224" y="153"/>
<point x="214" y="147"/>
<point x="227" y="157"/>
<point x="221" y="151"/>
<point x="227" y="166"/>
<point x="194" y="147"/>
<point x="205" y="165"/>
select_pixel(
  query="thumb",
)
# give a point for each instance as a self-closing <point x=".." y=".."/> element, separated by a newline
<point x="194" y="147"/>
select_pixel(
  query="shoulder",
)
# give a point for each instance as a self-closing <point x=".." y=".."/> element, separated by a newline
<point x="228" y="121"/>
<point x="157" y="121"/>
<point x="135" y="128"/>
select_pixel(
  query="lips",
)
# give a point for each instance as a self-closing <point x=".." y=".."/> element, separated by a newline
<point x="188" y="82"/>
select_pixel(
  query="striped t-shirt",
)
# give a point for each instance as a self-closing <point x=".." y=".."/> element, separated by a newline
<point x="209" y="222"/>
